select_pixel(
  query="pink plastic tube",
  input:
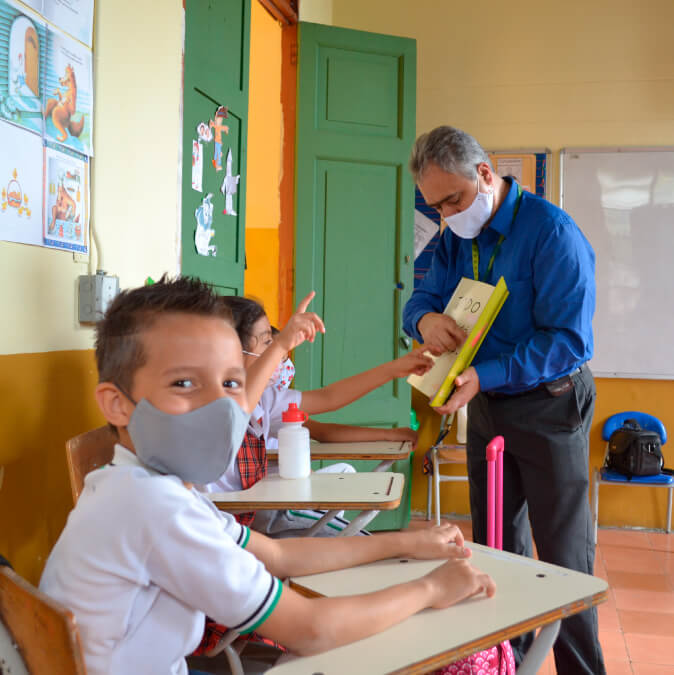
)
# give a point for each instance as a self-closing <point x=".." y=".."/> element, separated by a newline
<point x="495" y="492"/>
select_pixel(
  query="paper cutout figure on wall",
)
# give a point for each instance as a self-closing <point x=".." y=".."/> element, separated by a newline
<point x="14" y="198"/>
<point x="205" y="231"/>
<point x="204" y="132"/>
<point x="229" y="187"/>
<point x="64" y="107"/>
<point x="197" y="166"/>
<point x="218" y="127"/>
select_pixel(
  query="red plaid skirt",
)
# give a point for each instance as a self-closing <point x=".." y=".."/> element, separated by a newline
<point x="252" y="463"/>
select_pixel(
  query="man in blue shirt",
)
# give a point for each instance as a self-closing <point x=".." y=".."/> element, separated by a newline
<point x="529" y="381"/>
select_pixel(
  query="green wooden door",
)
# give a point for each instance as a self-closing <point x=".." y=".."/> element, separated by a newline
<point x="215" y="74"/>
<point x="355" y="218"/>
<point x="355" y="209"/>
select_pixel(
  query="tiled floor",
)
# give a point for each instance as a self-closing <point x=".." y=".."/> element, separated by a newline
<point x="636" y="624"/>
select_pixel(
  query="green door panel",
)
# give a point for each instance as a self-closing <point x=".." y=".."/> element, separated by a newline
<point x="355" y="219"/>
<point x="216" y="74"/>
<point x="355" y="209"/>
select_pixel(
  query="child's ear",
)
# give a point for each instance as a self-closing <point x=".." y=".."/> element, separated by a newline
<point x="116" y="408"/>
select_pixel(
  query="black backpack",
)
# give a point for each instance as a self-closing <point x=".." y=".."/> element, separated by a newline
<point x="634" y="451"/>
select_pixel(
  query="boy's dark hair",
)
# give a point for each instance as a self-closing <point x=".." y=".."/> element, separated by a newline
<point x="119" y="348"/>
<point x="245" y="312"/>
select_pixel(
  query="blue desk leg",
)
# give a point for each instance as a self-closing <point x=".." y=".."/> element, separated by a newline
<point x="534" y="658"/>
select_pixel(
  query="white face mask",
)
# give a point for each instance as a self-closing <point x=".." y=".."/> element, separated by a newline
<point x="467" y="224"/>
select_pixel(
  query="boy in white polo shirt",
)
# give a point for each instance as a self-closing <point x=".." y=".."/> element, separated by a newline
<point x="143" y="556"/>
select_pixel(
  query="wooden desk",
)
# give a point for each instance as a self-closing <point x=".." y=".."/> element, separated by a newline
<point x="370" y="492"/>
<point x="529" y="594"/>
<point x="386" y="452"/>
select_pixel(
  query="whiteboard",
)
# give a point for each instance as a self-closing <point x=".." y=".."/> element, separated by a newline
<point x="623" y="201"/>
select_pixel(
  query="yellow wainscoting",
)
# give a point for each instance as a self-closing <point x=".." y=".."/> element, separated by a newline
<point x="45" y="398"/>
<point x="618" y="507"/>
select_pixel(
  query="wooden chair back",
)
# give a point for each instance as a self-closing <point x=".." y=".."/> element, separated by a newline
<point x="87" y="452"/>
<point x="45" y="633"/>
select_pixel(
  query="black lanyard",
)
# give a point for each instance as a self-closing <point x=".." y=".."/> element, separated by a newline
<point x="497" y="248"/>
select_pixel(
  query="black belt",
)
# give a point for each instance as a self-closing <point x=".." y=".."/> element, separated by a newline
<point x="555" y="387"/>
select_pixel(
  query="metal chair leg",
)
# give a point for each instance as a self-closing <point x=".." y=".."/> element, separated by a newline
<point x="429" y="496"/>
<point x="539" y="649"/>
<point x="233" y="657"/>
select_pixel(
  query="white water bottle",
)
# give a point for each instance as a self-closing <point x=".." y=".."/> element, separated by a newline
<point x="294" y="448"/>
<point x="461" y="424"/>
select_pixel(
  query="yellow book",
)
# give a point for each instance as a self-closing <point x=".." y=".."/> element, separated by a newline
<point x="474" y="305"/>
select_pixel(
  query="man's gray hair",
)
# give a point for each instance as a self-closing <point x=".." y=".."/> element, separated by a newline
<point x="451" y="149"/>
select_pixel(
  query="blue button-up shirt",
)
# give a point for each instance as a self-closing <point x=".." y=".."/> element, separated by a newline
<point x="544" y="329"/>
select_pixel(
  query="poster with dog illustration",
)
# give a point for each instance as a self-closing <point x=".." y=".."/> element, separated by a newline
<point x="66" y="199"/>
<point x="75" y="17"/>
<point x="23" y="48"/>
<point x="68" y="93"/>
<point x="20" y="185"/>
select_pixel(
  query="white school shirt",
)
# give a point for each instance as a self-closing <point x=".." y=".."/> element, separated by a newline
<point x="140" y="561"/>
<point x="265" y="421"/>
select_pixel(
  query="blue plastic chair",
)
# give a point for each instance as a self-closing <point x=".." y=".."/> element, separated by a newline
<point x="603" y="476"/>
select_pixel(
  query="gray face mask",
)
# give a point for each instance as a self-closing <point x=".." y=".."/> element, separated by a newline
<point x="198" y="446"/>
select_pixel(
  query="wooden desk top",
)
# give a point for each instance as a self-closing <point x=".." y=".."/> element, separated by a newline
<point x="381" y="491"/>
<point x="381" y="450"/>
<point x="529" y="594"/>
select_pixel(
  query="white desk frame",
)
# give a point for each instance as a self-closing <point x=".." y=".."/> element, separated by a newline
<point x="530" y="594"/>
<point x="371" y="492"/>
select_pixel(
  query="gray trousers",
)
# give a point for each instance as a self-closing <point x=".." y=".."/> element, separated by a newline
<point x="545" y="491"/>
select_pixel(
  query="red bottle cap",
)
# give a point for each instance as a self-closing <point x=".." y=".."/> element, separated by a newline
<point x="294" y="414"/>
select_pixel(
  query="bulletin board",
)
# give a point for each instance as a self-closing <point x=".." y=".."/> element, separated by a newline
<point x="623" y="201"/>
<point x="46" y="122"/>
<point x="528" y="166"/>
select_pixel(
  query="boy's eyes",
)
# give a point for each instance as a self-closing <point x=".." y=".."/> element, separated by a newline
<point x="189" y="384"/>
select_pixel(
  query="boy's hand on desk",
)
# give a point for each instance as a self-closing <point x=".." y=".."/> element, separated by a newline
<point x="455" y="581"/>
<point x="417" y="362"/>
<point x="301" y="326"/>
<point x="440" y="541"/>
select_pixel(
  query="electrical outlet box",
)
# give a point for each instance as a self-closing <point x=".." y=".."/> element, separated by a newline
<point x="96" y="292"/>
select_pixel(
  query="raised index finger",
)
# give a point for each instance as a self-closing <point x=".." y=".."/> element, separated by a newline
<point x="302" y="307"/>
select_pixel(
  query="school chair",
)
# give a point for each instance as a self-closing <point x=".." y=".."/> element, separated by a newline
<point x="36" y="632"/>
<point x="96" y="448"/>
<point x="603" y="476"/>
<point x="439" y="453"/>
<point x="86" y="452"/>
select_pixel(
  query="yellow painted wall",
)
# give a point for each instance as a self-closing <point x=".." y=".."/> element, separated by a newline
<point x="526" y="73"/>
<point x="47" y="373"/>
<point x="263" y="206"/>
